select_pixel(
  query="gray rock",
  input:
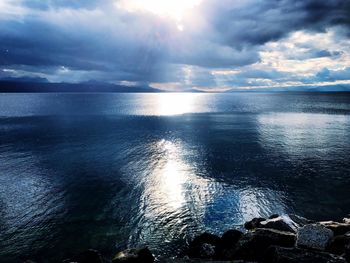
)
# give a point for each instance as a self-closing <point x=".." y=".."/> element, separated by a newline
<point x="347" y="253"/>
<point x="142" y="255"/>
<point x="254" y="223"/>
<point x="296" y="255"/>
<point x="338" y="244"/>
<point x="273" y="216"/>
<point x="314" y="236"/>
<point x="195" y="247"/>
<point x="336" y="227"/>
<point x="207" y="251"/>
<point x="281" y="223"/>
<point x="299" y="220"/>
<point x="227" y="243"/>
<point x="253" y="245"/>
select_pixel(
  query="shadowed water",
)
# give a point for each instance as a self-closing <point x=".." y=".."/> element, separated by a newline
<point x="114" y="170"/>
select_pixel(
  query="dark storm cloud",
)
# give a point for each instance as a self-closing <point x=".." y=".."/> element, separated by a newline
<point x="255" y="23"/>
<point x="83" y="44"/>
<point x="99" y="41"/>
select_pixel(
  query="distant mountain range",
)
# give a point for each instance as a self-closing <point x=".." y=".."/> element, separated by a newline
<point x="13" y="85"/>
<point x="42" y="85"/>
<point x="328" y="88"/>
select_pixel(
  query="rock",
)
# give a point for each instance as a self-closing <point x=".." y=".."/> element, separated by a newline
<point x="182" y="260"/>
<point x="195" y="247"/>
<point x="299" y="220"/>
<point x="253" y="245"/>
<point x="296" y="255"/>
<point x="338" y="244"/>
<point x="314" y="236"/>
<point x="227" y="243"/>
<point x="89" y="256"/>
<point x="273" y="216"/>
<point x="142" y="255"/>
<point x="207" y="251"/>
<point x="347" y="253"/>
<point x="230" y="237"/>
<point x="336" y="227"/>
<point x="254" y="223"/>
<point x="281" y="223"/>
<point x="346" y="220"/>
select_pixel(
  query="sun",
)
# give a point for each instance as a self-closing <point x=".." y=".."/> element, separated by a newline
<point x="175" y="9"/>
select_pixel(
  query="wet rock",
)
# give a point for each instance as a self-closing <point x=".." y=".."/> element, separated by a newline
<point x="296" y="255"/>
<point x="254" y="223"/>
<point x="142" y="255"/>
<point x="281" y="223"/>
<point x="336" y="227"/>
<point x="227" y="244"/>
<point x="253" y="245"/>
<point x="346" y="220"/>
<point x="273" y="216"/>
<point x="338" y="244"/>
<point x="89" y="256"/>
<point x="299" y="220"/>
<point x="183" y="260"/>
<point x="206" y="251"/>
<point x="195" y="247"/>
<point x="314" y="236"/>
<point x="347" y="253"/>
<point x="230" y="237"/>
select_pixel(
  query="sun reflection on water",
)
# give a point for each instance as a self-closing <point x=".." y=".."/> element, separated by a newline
<point x="175" y="197"/>
<point x="175" y="103"/>
<point x="170" y="176"/>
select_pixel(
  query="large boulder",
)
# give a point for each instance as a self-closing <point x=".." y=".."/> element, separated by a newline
<point x="281" y="223"/>
<point x="296" y="255"/>
<point x="142" y="255"/>
<point x="338" y="244"/>
<point x="254" y="223"/>
<point x="207" y="251"/>
<point x="200" y="244"/>
<point x="299" y="220"/>
<point x="227" y="244"/>
<point x="253" y="245"/>
<point x="336" y="227"/>
<point x="314" y="236"/>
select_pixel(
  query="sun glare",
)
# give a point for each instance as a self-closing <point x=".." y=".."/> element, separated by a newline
<point x="175" y="9"/>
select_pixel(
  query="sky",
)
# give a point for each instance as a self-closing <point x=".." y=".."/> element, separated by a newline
<point x="178" y="45"/>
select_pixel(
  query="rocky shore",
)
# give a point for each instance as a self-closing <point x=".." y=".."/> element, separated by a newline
<point x="277" y="239"/>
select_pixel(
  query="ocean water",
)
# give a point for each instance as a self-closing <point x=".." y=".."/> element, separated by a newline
<point x="109" y="171"/>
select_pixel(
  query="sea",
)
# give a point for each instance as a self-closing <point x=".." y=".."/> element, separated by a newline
<point x="111" y="171"/>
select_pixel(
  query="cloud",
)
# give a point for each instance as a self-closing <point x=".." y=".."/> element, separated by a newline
<point x="250" y="42"/>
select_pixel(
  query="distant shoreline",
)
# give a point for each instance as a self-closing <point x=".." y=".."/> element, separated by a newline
<point x="10" y="86"/>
